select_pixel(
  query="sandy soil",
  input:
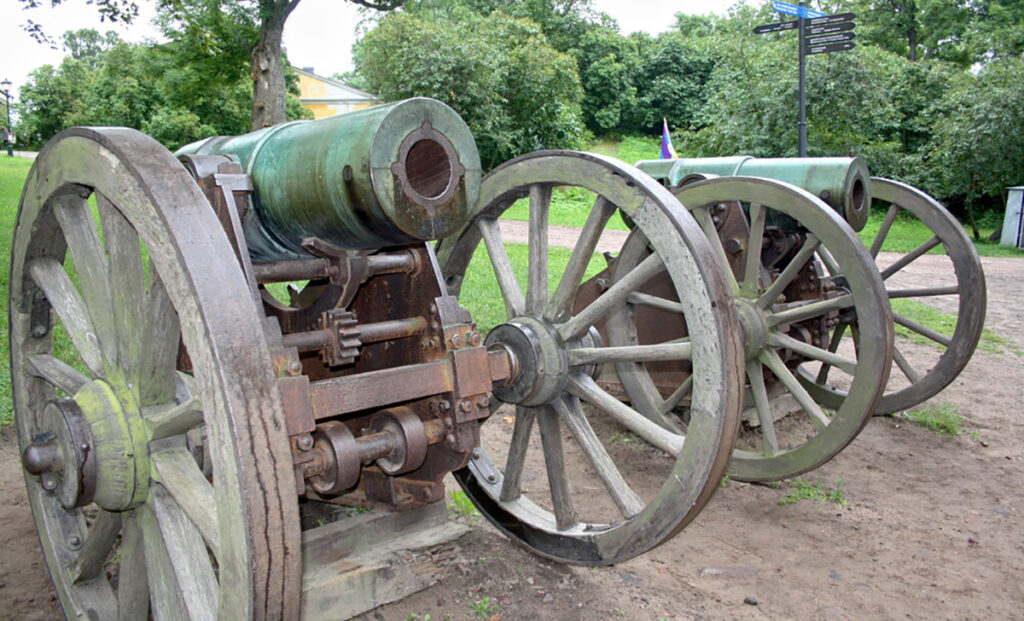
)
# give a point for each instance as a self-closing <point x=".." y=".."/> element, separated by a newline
<point x="933" y="528"/>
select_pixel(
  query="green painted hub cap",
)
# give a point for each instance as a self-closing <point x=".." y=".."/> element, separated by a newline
<point x="119" y="446"/>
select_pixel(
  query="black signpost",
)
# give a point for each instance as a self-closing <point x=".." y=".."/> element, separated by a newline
<point x="819" y="34"/>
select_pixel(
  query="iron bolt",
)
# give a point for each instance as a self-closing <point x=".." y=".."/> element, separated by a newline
<point x="74" y="542"/>
<point x="466" y="405"/>
<point x="445" y="406"/>
<point x="450" y="439"/>
<point x="294" y="367"/>
<point x="305" y="442"/>
<point x="601" y="283"/>
<point x="482" y="401"/>
<point x="476" y="453"/>
<point x="39" y="331"/>
<point x="475" y="339"/>
<point x="83" y="191"/>
<point x="456" y="341"/>
<point x="733" y="245"/>
<point x="49" y="481"/>
<point x="491" y="478"/>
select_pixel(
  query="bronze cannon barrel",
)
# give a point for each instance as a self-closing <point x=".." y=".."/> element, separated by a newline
<point x="842" y="182"/>
<point x="393" y="174"/>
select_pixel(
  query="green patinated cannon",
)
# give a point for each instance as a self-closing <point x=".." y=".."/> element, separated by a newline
<point x="213" y="351"/>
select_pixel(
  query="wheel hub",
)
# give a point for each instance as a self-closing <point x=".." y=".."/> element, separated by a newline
<point x="540" y="360"/>
<point x="754" y="322"/>
<point x="91" y="448"/>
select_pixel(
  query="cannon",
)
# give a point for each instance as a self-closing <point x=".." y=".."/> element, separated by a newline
<point x="207" y="346"/>
<point x="845" y="184"/>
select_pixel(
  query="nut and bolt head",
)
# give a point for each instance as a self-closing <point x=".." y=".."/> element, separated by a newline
<point x="445" y="406"/>
<point x="475" y="339"/>
<point x="304" y="442"/>
<point x="39" y="331"/>
<point x="733" y="245"/>
<point x="74" y="542"/>
<point x="466" y="405"/>
<point x="294" y="367"/>
<point x="456" y="341"/>
<point x="482" y="401"/>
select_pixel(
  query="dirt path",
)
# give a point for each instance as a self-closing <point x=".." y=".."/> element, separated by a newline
<point x="933" y="528"/>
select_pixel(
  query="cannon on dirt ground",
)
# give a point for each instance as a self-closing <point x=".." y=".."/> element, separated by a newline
<point x="205" y="346"/>
<point x="806" y="295"/>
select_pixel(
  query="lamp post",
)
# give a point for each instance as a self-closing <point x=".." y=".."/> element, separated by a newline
<point x="6" y="84"/>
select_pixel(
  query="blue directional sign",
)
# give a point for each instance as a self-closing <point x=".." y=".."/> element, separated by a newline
<point x="792" y="9"/>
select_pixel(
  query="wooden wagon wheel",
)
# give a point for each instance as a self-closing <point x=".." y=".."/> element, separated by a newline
<point x="966" y="294"/>
<point x="127" y="519"/>
<point x="558" y="353"/>
<point x="776" y="329"/>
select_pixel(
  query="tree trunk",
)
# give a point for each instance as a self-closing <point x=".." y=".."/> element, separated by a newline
<point x="268" y="87"/>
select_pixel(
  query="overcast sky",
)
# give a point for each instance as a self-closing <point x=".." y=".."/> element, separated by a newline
<point x="318" y="34"/>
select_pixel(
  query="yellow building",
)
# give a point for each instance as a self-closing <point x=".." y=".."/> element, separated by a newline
<point x="326" y="97"/>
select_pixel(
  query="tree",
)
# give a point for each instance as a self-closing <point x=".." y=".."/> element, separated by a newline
<point x="516" y="92"/>
<point x="267" y="68"/>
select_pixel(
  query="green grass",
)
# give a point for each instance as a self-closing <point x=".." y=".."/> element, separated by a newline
<point x="908" y="232"/>
<point x="944" y="323"/>
<point x="480" y="292"/>
<point x="484" y="607"/>
<point x="816" y="491"/>
<point x="462" y="507"/>
<point x="12" y="178"/>
<point x="944" y="419"/>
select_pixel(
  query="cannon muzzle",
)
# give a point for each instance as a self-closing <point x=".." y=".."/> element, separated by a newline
<point x="388" y="175"/>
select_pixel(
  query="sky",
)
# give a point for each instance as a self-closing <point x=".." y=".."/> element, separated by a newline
<point x="319" y="33"/>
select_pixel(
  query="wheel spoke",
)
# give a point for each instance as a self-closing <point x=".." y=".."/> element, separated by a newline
<point x="809" y="310"/>
<point x="584" y="387"/>
<point x="630" y="353"/>
<point x="654" y="301"/>
<point x="923" y="292"/>
<point x="169" y="419"/>
<point x="191" y="562"/>
<point x="132" y="586"/>
<point x="792" y="384"/>
<point x="70" y="307"/>
<point x="904" y="366"/>
<point x="782" y="340"/>
<point x="165" y="596"/>
<point x="708" y="225"/>
<point x="586" y="244"/>
<point x="510" y="291"/>
<point x="755" y="375"/>
<point x="554" y="460"/>
<point x="625" y="498"/>
<point x="537" y="281"/>
<point x="127" y="283"/>
<point x="57" y="373"/>
<point x="157" y="373"/>
<point x="833" y="347"/>
<point x="677" y="396"/>
<point x="752" y="269"/>
<point x="83" y="241"/>
<point x="512" y="484"/>
<point x="99" y="541"/>
<point x="910" y="257"/>
<point x="808" y="249"/>
<point x="615" y="295"/>
<point x="182" y="478"/>
<point x="925" y="331"/>
<point x="883" y="231"/>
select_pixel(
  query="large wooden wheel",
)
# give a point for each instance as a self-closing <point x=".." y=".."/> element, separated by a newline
<point x="779" y="333"/>
<point x="585" y="492"/>
<point x="962" y="296"/>
<point x="153" y="490"/>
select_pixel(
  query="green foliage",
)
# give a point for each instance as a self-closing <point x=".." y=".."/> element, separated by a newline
<point x="816" y="491"/>
<point x="515" y="91"/>
<point x="944" y="419"/>
<point x="977" y="149"/>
